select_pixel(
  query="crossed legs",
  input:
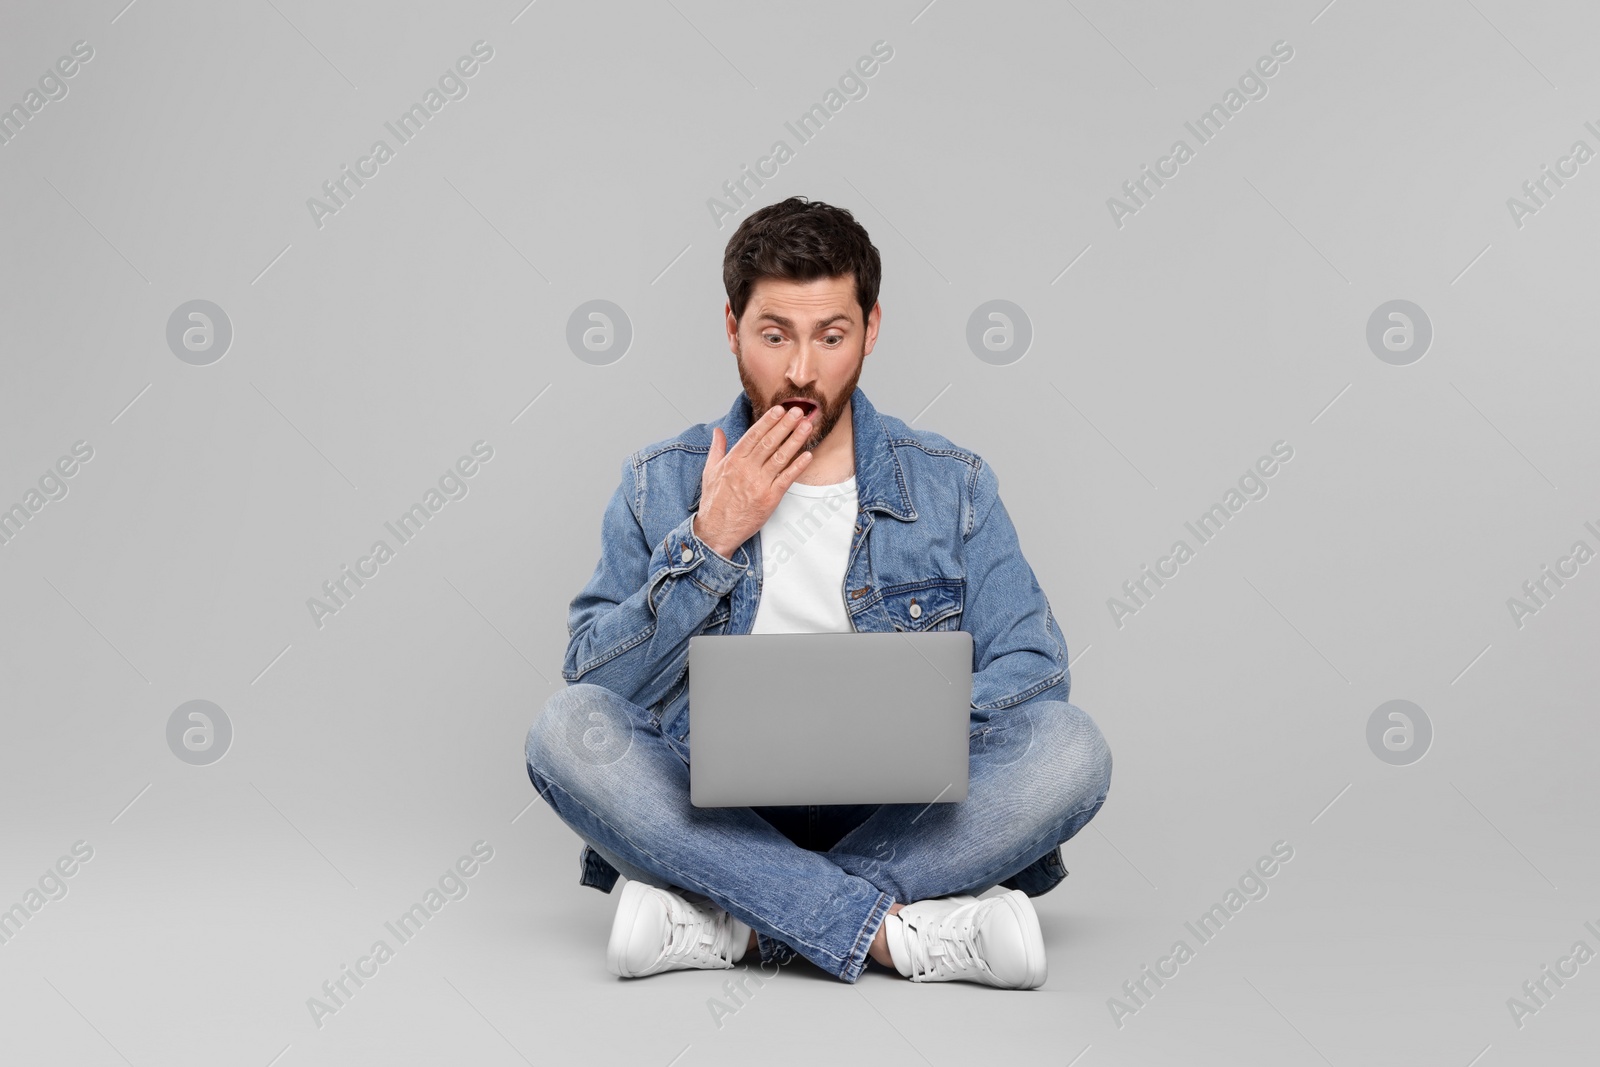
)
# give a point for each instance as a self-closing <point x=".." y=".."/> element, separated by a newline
<point x="1037" y="775"/>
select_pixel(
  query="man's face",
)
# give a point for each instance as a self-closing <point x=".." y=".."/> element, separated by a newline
<point x="804" y="341"/>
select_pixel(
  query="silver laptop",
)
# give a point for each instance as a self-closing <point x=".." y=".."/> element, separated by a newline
<point x="857" y="718"/>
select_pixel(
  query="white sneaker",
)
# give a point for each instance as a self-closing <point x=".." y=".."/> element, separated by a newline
<point x="995" y="941"/>
<point x="658" y="930"/>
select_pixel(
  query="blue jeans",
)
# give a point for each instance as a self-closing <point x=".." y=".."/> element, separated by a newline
<point x="817" y="881"/>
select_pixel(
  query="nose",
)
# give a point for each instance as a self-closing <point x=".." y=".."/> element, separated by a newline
<point x="802" y="369"/>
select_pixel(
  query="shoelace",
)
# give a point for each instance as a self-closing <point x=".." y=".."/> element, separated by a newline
<point x="949" y="946"/>
<point x="700" y="933"/>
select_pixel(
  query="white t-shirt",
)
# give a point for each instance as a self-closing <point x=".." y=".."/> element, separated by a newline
<point x="805" y="547"/>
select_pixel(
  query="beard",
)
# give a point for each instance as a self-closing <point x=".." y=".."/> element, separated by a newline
<point x="829" y="409"/>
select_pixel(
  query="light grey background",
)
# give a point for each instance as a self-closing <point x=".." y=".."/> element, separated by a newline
<point x="1228" y="314"/>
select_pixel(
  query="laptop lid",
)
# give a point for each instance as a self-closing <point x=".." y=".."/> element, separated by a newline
<point x="829" y="718"/>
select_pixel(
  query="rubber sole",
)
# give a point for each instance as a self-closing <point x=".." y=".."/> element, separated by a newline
<point x="1033" y="936"/>
<point x="633" y="897"/>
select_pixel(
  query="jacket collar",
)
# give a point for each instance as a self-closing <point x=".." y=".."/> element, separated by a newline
<point x="880" y="481"/>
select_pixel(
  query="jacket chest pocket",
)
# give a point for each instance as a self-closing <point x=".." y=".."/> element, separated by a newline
<point x="930" y="604"/>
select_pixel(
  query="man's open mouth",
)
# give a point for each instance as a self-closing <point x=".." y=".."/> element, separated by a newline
<point x="807" y="407"/>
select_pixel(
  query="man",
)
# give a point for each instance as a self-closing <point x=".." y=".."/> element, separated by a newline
<point x="806" y="510"/>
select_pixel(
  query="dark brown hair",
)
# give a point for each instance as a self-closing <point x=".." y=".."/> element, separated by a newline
<point x="800" y="240"/>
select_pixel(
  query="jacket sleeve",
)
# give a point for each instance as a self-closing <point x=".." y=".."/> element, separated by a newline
<point x="629" y="629"/>
<point x="1018" y="649"/>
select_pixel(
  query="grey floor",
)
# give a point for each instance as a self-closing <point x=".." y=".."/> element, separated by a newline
<point x="1242" y="306"/>
<point x="216" y="905"/>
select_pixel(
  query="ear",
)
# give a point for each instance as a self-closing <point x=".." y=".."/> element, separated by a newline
<point x="731" y="324"/>
<point x="873" y="318"/>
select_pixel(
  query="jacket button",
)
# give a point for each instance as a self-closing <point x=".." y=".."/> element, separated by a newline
<point x="685" y="556"/>
<point x="916" y="610"/>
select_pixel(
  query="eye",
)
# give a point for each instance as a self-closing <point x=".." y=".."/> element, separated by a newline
<point x="833" y="340"/>
<point x="772" y="338"/>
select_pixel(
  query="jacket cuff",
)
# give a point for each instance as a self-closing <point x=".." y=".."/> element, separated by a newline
<point x="685" y="554"/>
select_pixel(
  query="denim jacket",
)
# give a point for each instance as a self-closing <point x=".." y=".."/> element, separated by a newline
<point x="933" y="549"/>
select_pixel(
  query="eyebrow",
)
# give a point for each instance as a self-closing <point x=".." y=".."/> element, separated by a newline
<point x="788" y="325"/>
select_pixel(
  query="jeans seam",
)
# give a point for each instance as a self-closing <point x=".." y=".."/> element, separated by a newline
<point x="1095" y="807"/>
<point x="665" y="866"/>
<point x="852" y="970"/>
